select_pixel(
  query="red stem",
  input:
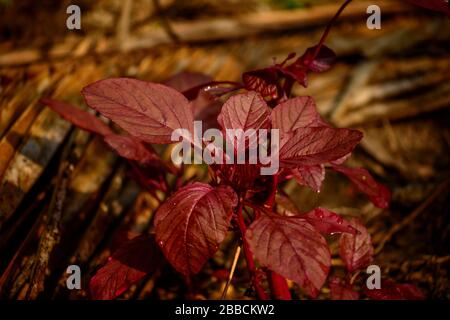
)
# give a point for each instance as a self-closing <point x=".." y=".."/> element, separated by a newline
<point x="327" y="30"/>
<point x="273" y="192"/>
<point x="278" y="284"/>
<point x="249" y="255"/>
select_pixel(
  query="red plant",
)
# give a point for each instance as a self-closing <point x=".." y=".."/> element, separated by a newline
<point x="195" y="218"/>
<point x="356" y="251"/>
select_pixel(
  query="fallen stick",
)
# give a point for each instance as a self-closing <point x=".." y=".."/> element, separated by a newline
<point x="30" y="160"/>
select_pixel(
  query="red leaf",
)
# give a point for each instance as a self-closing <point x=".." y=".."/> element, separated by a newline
<point x="311" y="176"/>
<point x="130" y="148"/>
<point x="192" y="223"/>
<point x="80" y="118"/>
<point x="395" y="291"/>
<point x="240" y="176"/>
<point x="322" y="62"/>
<point x="296" y="113"/>
<point x="184" y="81"/>
<point x="436" y="5"/>
<point x="148" y="111"/>
<point x="291" y="247"/>
<point x="297" y="72"/>
<point x="245" y="111"/>
<point x="129" y="264"/>
<point x="263" y="81"/>
<point x="356" y="250"/>
<point x="286" y="206"/>
<point x="364" y="182"/>
<point x="341" y="291"/>
<point x="340" y="161"/>
<point x="328" y="222"/>
<point x="317" y="145"/>
<point x="127" y="147"/>
<point x="206" y="108"/>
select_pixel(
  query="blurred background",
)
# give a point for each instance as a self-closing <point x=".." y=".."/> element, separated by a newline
<point x="392" y="83"/>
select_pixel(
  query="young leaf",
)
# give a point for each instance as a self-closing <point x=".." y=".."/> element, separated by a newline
<point x="206" y="108"/>
<point x="322" y="62"/>
<point x="148" y="111"/>
<point x="341" y="160"/>
<point x="263" y="81"/>
<point x="356" y="250"/>
<point x="311" y="176"/>
<point x="364" y="182"/>
<point x="296" y="72"/>
<point x="285" y="205"/>
<point x="328" y="222"/>
<point x="296" y="113"/>
<point x="317" y="145"/>
<point x="184" y="81"/>
<point x="395" y="291"/>
<point x="342" y="291"/>
<point x="192" y="223"/>
<point x="291" y="247"/>
<point x="130" y="148"/>
<point x="245" y="111"/>
<point x="80" y="118"/>
<point x="129" y="264"/>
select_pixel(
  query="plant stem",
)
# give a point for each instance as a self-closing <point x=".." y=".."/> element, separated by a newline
<point x="278" y="284"/>
<point x="273" y="192"/>
<point x="327" y="30"/>
<point x="248" y="254"/>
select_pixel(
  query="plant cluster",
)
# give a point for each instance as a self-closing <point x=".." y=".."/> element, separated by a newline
<point x="195" y="217"/>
